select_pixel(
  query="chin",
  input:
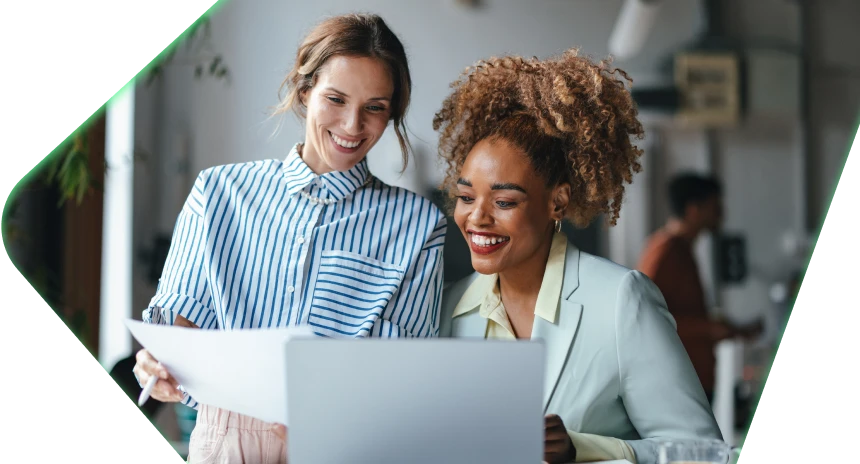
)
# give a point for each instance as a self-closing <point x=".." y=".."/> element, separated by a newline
<point x="339" y="163"/>
<point x="484" y="267"/>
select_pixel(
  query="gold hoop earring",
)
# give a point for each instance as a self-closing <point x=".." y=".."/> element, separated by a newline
<point x="557" y="226"/>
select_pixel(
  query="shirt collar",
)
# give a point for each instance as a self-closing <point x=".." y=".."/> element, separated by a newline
<point x="335" y="184"/>
<point x="483" y="292"/>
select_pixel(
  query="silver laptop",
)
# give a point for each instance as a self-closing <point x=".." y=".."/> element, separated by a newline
<point x="414" y="401"/>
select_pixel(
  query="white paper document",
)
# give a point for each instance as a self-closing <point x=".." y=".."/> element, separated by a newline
<point x="244" y="371"/>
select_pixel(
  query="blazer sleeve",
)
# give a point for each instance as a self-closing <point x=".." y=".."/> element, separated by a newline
<point x="659" y="387"/>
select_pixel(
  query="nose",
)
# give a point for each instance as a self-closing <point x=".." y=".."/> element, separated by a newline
<point x="479" y="215"/>
<point x="353" y="121"/>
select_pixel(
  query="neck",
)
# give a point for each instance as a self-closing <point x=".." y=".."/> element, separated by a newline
<point x="309" y="155"/>
<point x="683" y="228"/>
<point x="520" y="286"/>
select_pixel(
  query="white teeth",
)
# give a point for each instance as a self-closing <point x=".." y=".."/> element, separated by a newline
<point x="343" y="142"/>
<point x="484" y="241"/>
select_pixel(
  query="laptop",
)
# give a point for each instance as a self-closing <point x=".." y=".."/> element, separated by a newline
<point x="418" y="401"/>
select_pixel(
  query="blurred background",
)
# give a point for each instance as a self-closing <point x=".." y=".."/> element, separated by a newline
<point x="763" y="95"/>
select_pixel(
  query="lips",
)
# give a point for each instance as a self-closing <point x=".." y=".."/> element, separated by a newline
<point x="484" y="243"/>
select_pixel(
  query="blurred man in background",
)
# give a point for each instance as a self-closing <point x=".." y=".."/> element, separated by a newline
<point x="668" y="259"/>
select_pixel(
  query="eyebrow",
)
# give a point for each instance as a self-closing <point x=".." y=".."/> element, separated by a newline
<point x="507" y="186"/>
<point x="345" y="95"/>
<point x="497" y="186"/>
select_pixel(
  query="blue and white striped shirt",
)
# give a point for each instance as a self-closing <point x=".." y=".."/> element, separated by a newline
<point x="248" y="251"/>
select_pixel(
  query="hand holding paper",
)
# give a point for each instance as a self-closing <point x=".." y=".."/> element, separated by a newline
<point x="242" y="371"/>
<point x="158" y="383"/>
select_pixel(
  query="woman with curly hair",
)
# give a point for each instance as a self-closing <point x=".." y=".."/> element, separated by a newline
<point x="530" y="143"/>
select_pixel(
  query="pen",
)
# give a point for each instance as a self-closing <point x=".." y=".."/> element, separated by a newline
<point x="147" y="389"/>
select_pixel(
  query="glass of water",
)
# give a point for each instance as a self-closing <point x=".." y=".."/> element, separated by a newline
<point x="696" y="452"/>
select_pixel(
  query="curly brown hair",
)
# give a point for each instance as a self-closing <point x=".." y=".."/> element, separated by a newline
<point x="572" y="116"/>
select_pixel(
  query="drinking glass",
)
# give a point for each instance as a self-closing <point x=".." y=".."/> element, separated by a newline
<point x="697" y="452"/>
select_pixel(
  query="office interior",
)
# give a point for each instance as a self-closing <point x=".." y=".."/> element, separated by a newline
<point x="764" y="95"/>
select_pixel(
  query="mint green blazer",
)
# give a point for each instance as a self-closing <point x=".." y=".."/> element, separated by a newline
<point x="614" y="363"/>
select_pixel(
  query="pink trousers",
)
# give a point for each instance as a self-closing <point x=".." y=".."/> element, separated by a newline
<point x="222" y="437"/>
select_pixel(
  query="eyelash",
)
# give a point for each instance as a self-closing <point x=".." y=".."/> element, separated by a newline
<point x="372" y="109"/>
<point x="502" y="204"/>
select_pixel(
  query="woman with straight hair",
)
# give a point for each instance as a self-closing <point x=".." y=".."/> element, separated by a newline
<point x="312" y="239"/>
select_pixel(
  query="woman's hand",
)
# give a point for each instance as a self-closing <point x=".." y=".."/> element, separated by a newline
<point x="280" y="431"/>
<point x="557" y="445"/>
<point x="166" y="389"/>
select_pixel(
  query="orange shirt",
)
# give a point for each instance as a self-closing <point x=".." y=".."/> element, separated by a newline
<point x="669" y="261"/>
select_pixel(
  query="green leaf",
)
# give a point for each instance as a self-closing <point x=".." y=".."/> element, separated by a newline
<point x="214" y="65"/>
<point x="69" y="159"/>
<point x="154" y="74"/>
<point x="53" y="168"/>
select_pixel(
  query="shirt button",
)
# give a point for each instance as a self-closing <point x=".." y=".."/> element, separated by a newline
<point x="291" y="289"/>
<point x="301" y="240"/>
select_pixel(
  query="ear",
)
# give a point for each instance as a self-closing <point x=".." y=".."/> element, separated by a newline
<point x="302" y="97"/>
<point x="559" y="201"/>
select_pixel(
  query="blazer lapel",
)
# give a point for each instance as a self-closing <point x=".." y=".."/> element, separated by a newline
<point x="558" y="338"/>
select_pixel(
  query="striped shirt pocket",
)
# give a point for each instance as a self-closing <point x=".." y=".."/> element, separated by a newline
<point x="351" y="293"/>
